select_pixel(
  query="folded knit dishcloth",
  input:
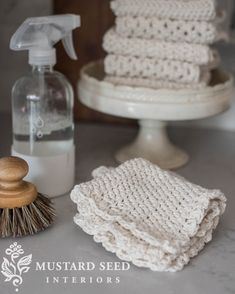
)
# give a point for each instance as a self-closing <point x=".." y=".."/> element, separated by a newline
<point x="148" y="216"/>
<point x="144" y="67"/>
<point x="171" y="9"/>
<point x="198" y="32"/>
<point x="153" y="83"/>
<point x="192" y="53"/>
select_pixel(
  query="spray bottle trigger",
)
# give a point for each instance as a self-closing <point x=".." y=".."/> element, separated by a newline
<point x="68" y="46"/>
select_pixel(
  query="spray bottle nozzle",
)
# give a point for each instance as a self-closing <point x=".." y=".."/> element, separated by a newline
<point x="40" y="34"/>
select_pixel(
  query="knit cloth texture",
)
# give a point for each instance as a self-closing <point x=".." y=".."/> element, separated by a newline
<point x="195" y="10"/>
<point x="140" y="67"/>
<point x="153" y="83"/>
<point x="197" y="32"/>
<point x="148" y="216"/>
<point x="192" y="53"/>
<point x="162" y="43"/>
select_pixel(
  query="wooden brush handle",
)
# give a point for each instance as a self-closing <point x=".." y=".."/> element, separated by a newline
<point x="14" y="192"/>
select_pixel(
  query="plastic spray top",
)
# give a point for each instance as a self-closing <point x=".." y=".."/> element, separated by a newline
<point x="40" y="34"/>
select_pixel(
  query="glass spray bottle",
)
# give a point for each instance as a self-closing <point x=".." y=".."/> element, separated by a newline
<point x="42" y="105"/>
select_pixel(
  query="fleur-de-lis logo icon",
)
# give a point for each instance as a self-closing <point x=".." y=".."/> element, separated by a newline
<point x="15" y="265"/>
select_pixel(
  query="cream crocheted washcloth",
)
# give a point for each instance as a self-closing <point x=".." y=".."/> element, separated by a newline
<point x="198" y="32"/>
<point x="153" y="83"/>
<point x="193" y="53"/>
<point x="146" y="215"/>
<point x="143" y="67"/>
<point x="172" y="9"/>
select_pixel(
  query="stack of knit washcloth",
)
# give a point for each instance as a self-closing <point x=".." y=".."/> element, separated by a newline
<point x="162" y="43"/>
<point x="148" y="216"/>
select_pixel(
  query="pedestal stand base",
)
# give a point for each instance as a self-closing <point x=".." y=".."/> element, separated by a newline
<point x="153" y="144"/>
<point x="151" y="107"/>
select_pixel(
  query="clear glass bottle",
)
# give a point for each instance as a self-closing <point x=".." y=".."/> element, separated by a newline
<point x="42" y="109"/>
<point x="42" y="104"/>
<point x="43" y="129"/>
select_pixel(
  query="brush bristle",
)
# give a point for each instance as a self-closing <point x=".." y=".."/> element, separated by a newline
<point x="27" y="220"/>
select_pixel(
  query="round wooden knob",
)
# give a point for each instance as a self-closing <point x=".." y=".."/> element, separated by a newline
<point x="14" y="192"/>
<point x="13" y="169"/>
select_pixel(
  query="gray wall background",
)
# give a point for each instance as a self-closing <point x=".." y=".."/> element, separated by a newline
<point x="14" y="64"/>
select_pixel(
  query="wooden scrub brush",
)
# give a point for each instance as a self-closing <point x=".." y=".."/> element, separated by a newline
<point x="23" y="211"/>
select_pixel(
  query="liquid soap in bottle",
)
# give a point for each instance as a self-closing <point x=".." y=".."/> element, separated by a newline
<point x="42" y="105"/>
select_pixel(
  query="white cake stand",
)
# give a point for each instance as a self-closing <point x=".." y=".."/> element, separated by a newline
<point x="153" y="108"/>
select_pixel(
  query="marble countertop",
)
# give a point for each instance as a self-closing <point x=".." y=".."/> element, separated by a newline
<point x="212" y="272"/>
